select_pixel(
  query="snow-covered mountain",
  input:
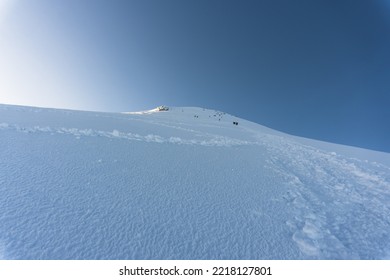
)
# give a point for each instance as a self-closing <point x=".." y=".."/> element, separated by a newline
<point x="186" y="183"/>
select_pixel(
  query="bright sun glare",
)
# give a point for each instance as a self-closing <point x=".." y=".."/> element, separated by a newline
<point x="4" y="7"/>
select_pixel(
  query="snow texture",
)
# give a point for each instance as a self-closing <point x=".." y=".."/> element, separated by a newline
<point x="183" y="184"/>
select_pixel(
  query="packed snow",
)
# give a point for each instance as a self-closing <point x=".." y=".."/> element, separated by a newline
<point x="186" y="183"/>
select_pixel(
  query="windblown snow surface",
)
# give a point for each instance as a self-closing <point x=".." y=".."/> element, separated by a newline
<point x="183" y="184"/>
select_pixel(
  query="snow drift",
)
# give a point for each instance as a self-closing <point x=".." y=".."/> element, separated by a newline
<point x="185" y="183"/>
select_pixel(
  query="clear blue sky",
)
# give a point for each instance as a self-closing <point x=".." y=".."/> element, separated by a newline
<point x="319" y="69"/>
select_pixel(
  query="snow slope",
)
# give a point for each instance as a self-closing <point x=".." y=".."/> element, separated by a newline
<point x="183" y="184"/>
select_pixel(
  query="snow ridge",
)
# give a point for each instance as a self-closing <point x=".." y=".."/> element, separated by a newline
<point x="214" y="141"/>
